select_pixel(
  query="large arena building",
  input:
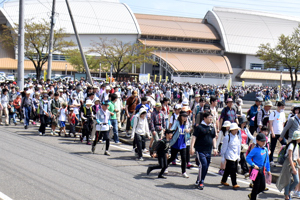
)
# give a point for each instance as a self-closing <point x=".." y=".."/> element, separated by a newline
<point x="214" y="49"/>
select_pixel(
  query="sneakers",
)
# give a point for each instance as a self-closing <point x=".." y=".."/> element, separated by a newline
<point x="88" y="143"/>
<point x="141" y="159"/>
<point x="189" y="165"/>
<point x="107" y="153"/>
<point x="251" y="185"/>
<point x="161" y="176"/>
<point x="71" y="134"/>
<point x="246" y="175"/>
<point x="224" y="183"/>
<point x="221" y="172"/>
<point x="201" y="186"/>
<point x="26" y="127"/>
<point x="174" y="162"/>
<point x="149" y="170"/>
<point x="145" y="150"/>
<point x="184" y="175"/>
<point x="272" y="164"/>
<point x="266" y="189"/>
<point x="166" y="171"/>
<point x="51" y="132"/>
<point x="33" y="123"/>
<point x="249" y="196"/>
<point x="41" y="133"/>
<point x="118" y="143"/>
<point x="236" y="186"/>
<point x="197" y="183"/>
<point x="128" y="135"/>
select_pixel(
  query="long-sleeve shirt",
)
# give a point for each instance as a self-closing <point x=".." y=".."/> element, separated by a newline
<point x="157" y="122"/>
<point x="292" y="125"/>
<point x="252" y="113"/>
<point x="259" y="156"/>
<point x="4" y="100"/>
<point x="231" y="147"/>
<point x="261" y="115"/>
<point x="140" y="126"/>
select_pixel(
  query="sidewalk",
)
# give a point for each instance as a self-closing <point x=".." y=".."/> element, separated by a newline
<point x="215" y="161"/>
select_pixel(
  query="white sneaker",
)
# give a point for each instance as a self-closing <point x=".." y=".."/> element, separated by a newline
<point x="84" y="138"/>
<point x="41" y="133"/>
<point x="145" y="150"/>
<point x="51" y="133"/>
<point x="166" y="171"/>
<point x="71" y="135"/>
<point x="272" y="164"/>
<point x="184" y="175"/>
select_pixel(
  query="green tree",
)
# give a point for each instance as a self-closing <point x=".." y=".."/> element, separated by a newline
<point x="285" y="54"/>
<point x="122" y="55"/>
<point x="73" y="56"/>
<point x="36" y="45"/>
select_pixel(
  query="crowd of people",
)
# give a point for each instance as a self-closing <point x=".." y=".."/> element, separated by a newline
<point x="178" y="119"/>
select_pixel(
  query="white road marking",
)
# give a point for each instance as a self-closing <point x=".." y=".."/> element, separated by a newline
<point x="210" y="172"/>
<point x="4" y="197"/>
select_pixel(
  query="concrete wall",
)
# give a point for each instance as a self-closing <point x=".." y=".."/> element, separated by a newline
<point x="235" y="60"/>
<point x="252" y="59"/>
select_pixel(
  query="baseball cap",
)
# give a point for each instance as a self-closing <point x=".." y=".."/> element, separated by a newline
<point x="261" y="137"/>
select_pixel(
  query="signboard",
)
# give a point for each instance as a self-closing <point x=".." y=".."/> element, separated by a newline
<point x="143" y="78"/>
<point x="79" y="75"/>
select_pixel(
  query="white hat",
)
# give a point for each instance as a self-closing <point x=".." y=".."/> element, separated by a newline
<point x="234" y="126"/>
<point x="107" y="88"/>
<point x="97" y="99"/>
<point x="28" y="92"/>
<point x="178" y="106"/>
<point x="226" y="124"/>
<point x="88" y="102"/>
<point x="118" y="94"/>
<point x="185" y="102"/>
<point x="129" y="87"/>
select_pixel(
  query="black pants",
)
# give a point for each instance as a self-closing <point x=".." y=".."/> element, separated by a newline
<point x="259" y="185"/>
<point x="87" y="129"/>
<point x="188" y="156"/>
<point x="20" y="113"/>
<point x="243" y="163"/>
<point x="105" y="136"/>
<point x="252" y="129"/>
<point x="44" y="120"/>
<point x="230" y="169"/>
<point x="174" y="153"/>
<point x="273" y="145"/>
<point x="128" y="122"/>
<point x="140" y="143"/>
<point x="163" y="164"/>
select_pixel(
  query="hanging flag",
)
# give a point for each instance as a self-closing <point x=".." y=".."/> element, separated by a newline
<point x="243" y="83"/>
<point x="148" y="78"/>
<point x="159" y="78"/>
<point x="155" y="77"/>
<point x="166" y="79"/>
<point x="107" y="78"/>
<point x="45" y="75"/>
<point x="229" y="84"/>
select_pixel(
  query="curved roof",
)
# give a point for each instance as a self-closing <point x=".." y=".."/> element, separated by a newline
<point x="156" y="25"/>
<point x="242" y="31"/>
<point x="91" y="16"/>
<point x="199" y="63"/>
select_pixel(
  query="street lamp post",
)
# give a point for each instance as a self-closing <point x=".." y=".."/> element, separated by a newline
<point x="280" y="89"/>
<point x="99" y="70"/>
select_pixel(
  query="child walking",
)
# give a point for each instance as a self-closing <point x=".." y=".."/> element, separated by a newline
<point x="162" y="149"/>
<point x="72" y="121"/>
<point x="11" y="112"/>
<point x="258" y="159"/>
<point x="62" y="118"/>
<point x="230" y="151"/>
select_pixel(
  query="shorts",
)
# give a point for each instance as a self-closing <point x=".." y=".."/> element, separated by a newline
<point x="62" y="124"/>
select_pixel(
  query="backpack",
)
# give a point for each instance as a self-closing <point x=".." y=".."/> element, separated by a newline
<point x="84" y="110"/>
<point x="265" y="120"/>
<point x="282" y="152"/>
<point x="132" y="120"/>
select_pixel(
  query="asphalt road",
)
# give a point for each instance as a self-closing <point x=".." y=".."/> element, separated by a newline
<point x="44" y="167"/>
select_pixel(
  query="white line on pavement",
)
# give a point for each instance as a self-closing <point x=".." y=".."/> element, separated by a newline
<point x="4" y="197"/>
<point x="213" y="173"/>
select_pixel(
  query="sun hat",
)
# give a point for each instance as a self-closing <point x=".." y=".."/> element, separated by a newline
<point x="240" y="101"/>
<point x="97" y="99"/>
<point x="186" y="109"/>
<point x="158" y="104"/>
<point x="226" y="124"/>
<point x="229" y="100"/>
<point x="183" y="113"/>
<point x="177" y="106"/>
<point x="89" y="102"/>
<point x="185" y="102"/>
<point x="233" y="126"/>
<point x="296" y="135"/>
<point x="268" y="103"/>
<point x="107" y="88"/>
<point x="242" y="120"/>
<point x="259" y="99"/>
<point x="197" y="95"/>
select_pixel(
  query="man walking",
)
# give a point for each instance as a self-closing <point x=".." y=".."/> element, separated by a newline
<point x="252" y="113"/>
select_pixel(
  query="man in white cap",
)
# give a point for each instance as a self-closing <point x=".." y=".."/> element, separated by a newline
<point x="105" y="95"/>
<point x="263" y="115"/>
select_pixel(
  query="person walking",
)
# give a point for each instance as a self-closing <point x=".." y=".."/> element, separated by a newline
<point x="131" y="104"/>
<point x="230" y="152"/>
<point x="113" y="118"/>
<point x="26" y="106"/>
<point x="293" y="124"/>
<point x="203" y="141"/>
<point x="45" y="112"/>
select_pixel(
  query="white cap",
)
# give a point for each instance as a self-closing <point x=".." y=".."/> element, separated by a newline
<point x="178" y="106"/>
<point x="107" y="88"/>
<point x="234" y="126"/>
<point x="185" y="102"/>
<point x="226" y="124"/>
<point x="89" y="102"/>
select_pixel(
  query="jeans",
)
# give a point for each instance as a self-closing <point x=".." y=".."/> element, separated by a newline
<point x="162" y="161"/>
<point x="174" y="153"/>
<point x="12" y="116"/>
<point x="26" y="111"/>
<point x="291" y="186"/>
<point x="114" y="123"/>
<point x="273" y="145"/>
<point x="203" y="163"/>
<point x="230" y="169"/>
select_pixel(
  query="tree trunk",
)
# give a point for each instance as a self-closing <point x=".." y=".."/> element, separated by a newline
<point x="38" y="73"/>
<point x="117" y="75"/>
<point x="294" y="84"/>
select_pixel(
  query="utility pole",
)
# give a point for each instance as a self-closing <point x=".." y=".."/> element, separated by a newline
<point x="87" y="70"/>
<point x="51" y="41"/>
<point x="99" y="70"/>
<point x="21" y="46"/>
<point x="280" y="89"/>
<point x="111" y="69"/>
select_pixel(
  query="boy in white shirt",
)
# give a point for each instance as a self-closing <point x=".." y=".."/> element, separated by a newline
<point x="63" y="111"/>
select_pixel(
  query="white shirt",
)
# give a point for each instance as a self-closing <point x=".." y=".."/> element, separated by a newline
<point x="75" y="109"/>
<point x="62" y="115"/>
<point x="172" y="120"/>
<point x="278" y="120"/>
<point x="231" y="151"/>
<point x="295" y="153"/>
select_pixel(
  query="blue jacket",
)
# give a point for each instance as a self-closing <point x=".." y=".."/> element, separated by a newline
<point x="252" y="113"/>
<point x="176" y="126"/>
<point x="259" y="155"/>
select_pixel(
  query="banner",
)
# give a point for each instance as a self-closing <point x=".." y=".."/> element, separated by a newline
<point x="243" y="83"/>
<point x="155" y="78"/>
<point x="107" y="78"/>
<point x="144" y="78"/>
<point x="148" y="78"/>
<point x="45" y="75"/>
<point x="229" y="84"/>
<point x="167" y="79"/>
<point x="159" y="78"/>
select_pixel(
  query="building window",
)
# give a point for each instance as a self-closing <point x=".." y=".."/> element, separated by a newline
<point x="272" y="69"/>
<point x="256" y="66"/>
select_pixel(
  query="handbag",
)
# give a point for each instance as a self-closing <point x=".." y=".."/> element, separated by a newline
<point x="244" y="148"/>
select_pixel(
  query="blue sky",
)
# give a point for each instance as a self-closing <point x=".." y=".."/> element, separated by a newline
<point x="198" y="8"/>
